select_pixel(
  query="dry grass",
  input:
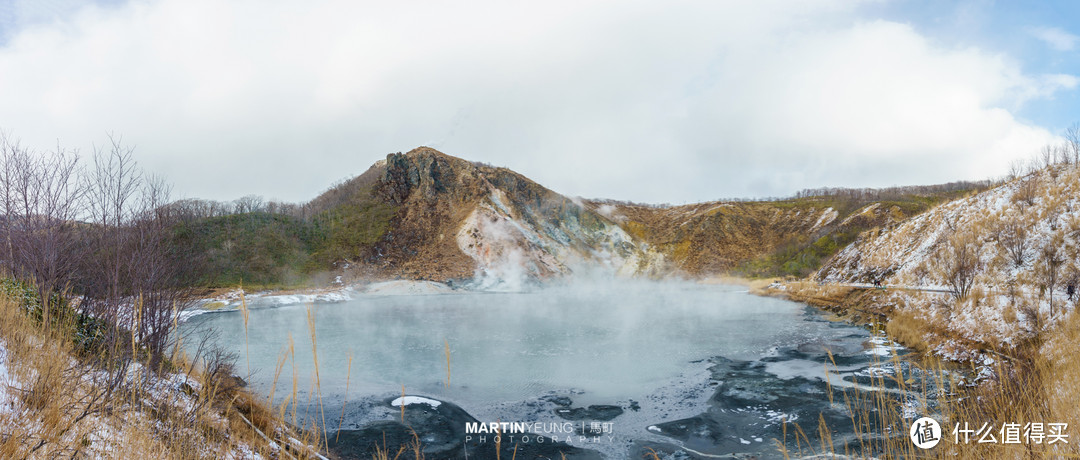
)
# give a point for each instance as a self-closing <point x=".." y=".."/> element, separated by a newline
<point x="60" y="402"/>
<point x="1030" y="392"/>
<point x="906" y="328"/>
<point x="1035" y="381"/>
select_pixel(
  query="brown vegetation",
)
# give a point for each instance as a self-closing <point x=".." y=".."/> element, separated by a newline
<point x="1035" y="383"/>
<point x="716" y="237"/>
<point x="90" y="296"/>
<point x="58" y="401"/>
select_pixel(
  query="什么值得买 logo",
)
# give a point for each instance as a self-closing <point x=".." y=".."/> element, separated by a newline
<point x="925" y="433"/>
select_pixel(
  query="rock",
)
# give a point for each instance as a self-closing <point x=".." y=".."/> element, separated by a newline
<point x="600" y="412"/>
<point x="563" y="401"/>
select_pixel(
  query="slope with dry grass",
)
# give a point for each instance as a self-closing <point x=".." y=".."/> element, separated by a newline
<point x="1005" y="258"/>
<point x="717" y="237"/>
<point x="989" y="280"/>
<point x="60" y="399"/>
<point x="789" y="237"/>
<point x="1035" y="385"/>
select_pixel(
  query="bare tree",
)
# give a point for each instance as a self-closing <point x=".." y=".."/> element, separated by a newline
<point x="1061" y="151"/>
<point x="1016" y="168"/>
<point x="1072" y="141"/>
<point x="112" y="186"/>
<point x="1034" y="164"/>
<point x="1012" y="236"/>
<point x="53" y="221"/>
<point x="248" y="204"/>
<point x="41" y="197"/>
<point x="961" y="263"/>
<point x="14" y="160"/>
<point x="1051" y="260"/>
<point x="136" y="279"/>
<point x="1046" y="156"/>
<point x="103" y="233"/>
<point x="161" y="276"/>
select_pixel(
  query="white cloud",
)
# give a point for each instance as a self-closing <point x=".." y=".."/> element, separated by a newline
<point x="683" y="101"/>
<point x="1057" y="39"/>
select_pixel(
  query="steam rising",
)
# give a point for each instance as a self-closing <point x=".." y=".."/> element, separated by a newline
<point x="515" y="250"/>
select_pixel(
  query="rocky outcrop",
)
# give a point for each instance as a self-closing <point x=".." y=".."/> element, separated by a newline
<point x="459" y="220"/>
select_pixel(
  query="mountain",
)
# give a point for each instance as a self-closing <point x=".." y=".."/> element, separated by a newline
<point x="444" y="218"/>
<point x="458" y="220"/>
<point x="430" y="216"/>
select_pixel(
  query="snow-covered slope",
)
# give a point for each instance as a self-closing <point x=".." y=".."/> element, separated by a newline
<point x="1006" y="258"/>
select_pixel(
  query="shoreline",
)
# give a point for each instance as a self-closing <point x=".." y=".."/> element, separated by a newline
<point x="230" y="299"/>
<point x="871" y="308"/>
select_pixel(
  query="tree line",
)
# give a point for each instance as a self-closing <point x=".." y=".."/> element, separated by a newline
<point x="98" y="232"/>
<point x="894" y="193"/>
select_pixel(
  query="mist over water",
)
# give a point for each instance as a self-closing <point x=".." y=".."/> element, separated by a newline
<point x="611" y="341"/>
<point x="603" y="342"/>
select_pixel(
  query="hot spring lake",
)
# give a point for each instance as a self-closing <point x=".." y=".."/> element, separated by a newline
<point x="709" y="368"/>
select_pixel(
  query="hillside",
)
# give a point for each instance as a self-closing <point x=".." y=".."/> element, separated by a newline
<point x="427" y="215"/>
<point x="252" y="248"/>
<point x="716" y="237"/>
<point x="989" y="280"/>
<point x="1005" y="259"/>
<point x="458" y="220"/>
<point x="764" y="238"/>
<point x="63" y="395"/>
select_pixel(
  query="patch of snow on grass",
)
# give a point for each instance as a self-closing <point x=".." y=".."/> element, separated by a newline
<point x="826" y="218"/>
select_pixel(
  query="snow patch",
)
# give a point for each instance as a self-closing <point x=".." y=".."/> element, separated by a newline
<point x="826" y="218"/>
<point x="232" y="300"/>
<point x="410" y="400"/>
<point x="404" y="287"/>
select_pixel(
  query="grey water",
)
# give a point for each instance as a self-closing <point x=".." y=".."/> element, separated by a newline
<point x="653" y="348"/>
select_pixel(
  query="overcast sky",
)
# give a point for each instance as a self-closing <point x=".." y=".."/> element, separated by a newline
<point x="672" y="101"/>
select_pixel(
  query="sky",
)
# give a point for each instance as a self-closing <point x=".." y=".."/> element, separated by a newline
<point x="659" y="102"/>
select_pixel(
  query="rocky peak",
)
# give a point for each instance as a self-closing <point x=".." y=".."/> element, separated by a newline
<point x="424" y="169"/>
